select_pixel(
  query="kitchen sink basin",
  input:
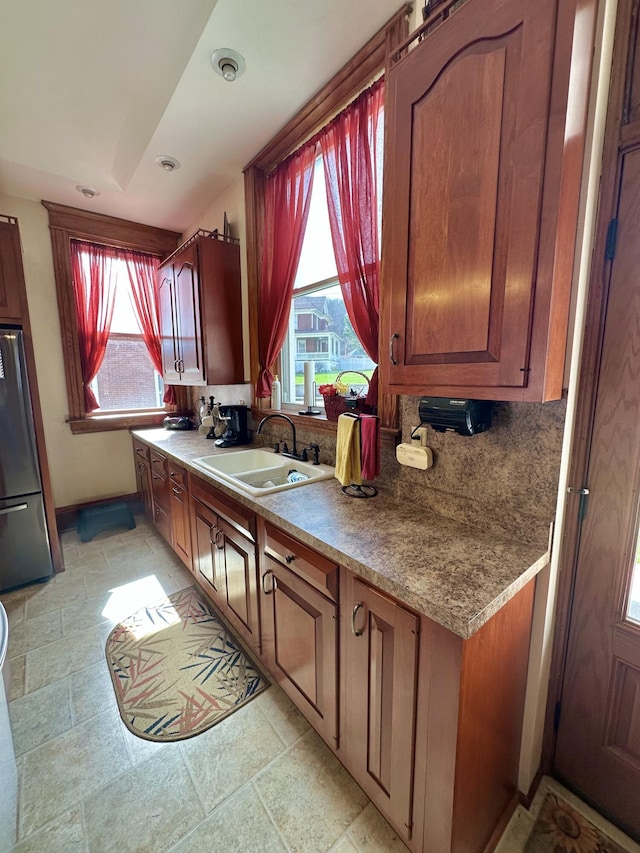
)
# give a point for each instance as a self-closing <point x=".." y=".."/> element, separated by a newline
<point x="260" y="471"/>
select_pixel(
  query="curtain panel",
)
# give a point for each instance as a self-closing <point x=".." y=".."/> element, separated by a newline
<point x="94" y="280"/>
<point x="352" y="157"/>
<point x="287" y="197"/>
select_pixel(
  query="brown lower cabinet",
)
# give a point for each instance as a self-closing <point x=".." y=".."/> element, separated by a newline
<point x="224" y="557"/>
<point x="428" y="724"/>
<point x="298" y="603"/>
<point x="142" y="455"/>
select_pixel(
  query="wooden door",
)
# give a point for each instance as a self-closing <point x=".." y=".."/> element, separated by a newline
<point x="380" y="684"/>
<point x="11" y="276"/>
<point x="598" y="740"/>
<point x="168" y="331"/>
<point x="237" y="560"/>
<point x="160" y="494"/>
<point x="187" y="316"/>
<point x="143" y="480"/>
<point x="204" y="528"/>
<point x="299" y="635"/>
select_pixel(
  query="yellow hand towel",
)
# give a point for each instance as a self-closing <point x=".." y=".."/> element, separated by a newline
<point x="348" y="451"/>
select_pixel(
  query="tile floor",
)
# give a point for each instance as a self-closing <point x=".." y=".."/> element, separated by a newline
<point x="261" y="780"/>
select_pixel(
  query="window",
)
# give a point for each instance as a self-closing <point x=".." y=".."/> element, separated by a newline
<point x="68" y="224"/>
<point x="126" y="380"/>
<point x="319" y="327"/>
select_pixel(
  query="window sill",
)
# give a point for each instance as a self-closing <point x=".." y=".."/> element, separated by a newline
<point x="319" y="423"/>
<point x="108" y="423"/>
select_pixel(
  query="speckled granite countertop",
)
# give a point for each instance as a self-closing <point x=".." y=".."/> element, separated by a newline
<point x="455" y="574"/>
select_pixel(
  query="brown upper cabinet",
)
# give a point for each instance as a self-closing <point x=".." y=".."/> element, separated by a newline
<point x="482" y="181"/>
<point x="201" y="312"/>
<point x="11" y="276"/>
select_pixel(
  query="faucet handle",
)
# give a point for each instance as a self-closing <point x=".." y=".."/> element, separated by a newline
<point x="285" y="447"/>
<point x="316" y="453"/>
<point x="276" y="447"/>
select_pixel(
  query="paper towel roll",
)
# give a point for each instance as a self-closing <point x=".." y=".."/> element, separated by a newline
<point x="309" y="380"/>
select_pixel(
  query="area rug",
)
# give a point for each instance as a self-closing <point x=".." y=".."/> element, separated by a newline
<point x="177" y="670"/>
<point x="561" y="829"/>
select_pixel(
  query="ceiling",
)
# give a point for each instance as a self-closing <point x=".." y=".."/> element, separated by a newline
<point x="92" y="92"/>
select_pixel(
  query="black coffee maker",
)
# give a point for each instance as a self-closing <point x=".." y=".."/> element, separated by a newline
<point x="236" y="432"/>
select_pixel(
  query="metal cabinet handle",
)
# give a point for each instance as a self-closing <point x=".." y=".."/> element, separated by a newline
<point x="289" y="559"/>
<point x="176" y="490"/>
<point x="175" y="365"/>
<point x="218" y="546"/>
<point x="394" y="337"/>
<point x="274" y="582"/>
<point x="213" y="532"/>
<point x="180" y="365"/>
<point x="354" y="612"/>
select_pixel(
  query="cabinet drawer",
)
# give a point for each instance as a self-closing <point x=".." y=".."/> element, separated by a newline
<point x="237" y="515"/>
<point x="159" y="463"/>
<point x="142" y="451"/>
<point x="313" y="567"/>
<point x="177" y="475"/>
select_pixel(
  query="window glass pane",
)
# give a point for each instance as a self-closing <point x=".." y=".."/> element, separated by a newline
<point x="126" y="379"/>
<point x="317" y="261"/>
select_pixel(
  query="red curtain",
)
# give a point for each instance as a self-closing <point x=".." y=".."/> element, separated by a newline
<point x="287" y="196"/>
<point x="350" y="156"/>
<point x="94" y="279"/>
<point x="142" y="271"/>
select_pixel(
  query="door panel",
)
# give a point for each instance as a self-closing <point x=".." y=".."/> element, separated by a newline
<point x="598" y="736"/>
<point x="188" y="312"/>
<point x="237" y="556"/>
<point x="204" y="526"/>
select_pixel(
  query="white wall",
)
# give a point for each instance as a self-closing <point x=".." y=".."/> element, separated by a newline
<point x="83" y="467"/>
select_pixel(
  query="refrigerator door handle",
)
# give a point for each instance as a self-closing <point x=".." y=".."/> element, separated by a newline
<point x="15" y="508"/>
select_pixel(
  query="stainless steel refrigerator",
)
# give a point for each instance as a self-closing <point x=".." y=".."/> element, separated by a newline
<point x="25" y="555"/>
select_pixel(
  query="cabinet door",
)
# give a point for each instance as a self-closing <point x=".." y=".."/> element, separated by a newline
<point x="168" y="330"/>
<point x="187" y="315"/>
<point x="204" y="528"/>
<point x="380" y="684"/>
<point x="467" y="114"/>
<point x="11" y="276"/>
<point x="143" y="480"/>
<point x="179" y="504"/>
<point x="299" y="628"/>
<point x="160" y="494"/>
<point x="237" y="561"/>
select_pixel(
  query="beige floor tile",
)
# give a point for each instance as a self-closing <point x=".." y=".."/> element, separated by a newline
<point x="239" y="825"/>
<point x="225" y="757"/>
<point x="40" y="716"/>
<point x="310" y="797"/>
<point x="84" y="614"/>
<point x="54" y="596"/>
<point x="91" y="692"/>
<point x="108" y="579"/>
<point x="14" y="669"/>
<point x="371" y="833"/>
<point x="63" y="657"/>
<point x="145" y="811"/>
<point x="282" y="714"/>
<point x="517" y="832"/>
<point x="344" y="846"/>
<point x="84" y="562"/>
<point x="127" y="555"/>
<point x="14" y="604"/>
<point x="33" y="633"/>
<point x="56" y="776"/>
<point x="63" y="835"/>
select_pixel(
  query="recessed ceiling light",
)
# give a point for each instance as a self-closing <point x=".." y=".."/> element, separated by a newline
<point x="169" y="164"/>
<point x="87" y="192"/>
<point x="228" y="63"/>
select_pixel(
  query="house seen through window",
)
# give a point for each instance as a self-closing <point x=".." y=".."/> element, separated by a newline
<point x="319" y="327"/>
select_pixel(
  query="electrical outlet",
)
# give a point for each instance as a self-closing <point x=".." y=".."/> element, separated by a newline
<point x="419" y="436"/>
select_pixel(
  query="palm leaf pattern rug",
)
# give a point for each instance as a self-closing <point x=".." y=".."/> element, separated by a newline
<point x="177" y="670"/>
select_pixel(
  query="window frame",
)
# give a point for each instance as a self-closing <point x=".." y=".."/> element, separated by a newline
<point x="354" y="77"/>
<point x="70" y="223"/>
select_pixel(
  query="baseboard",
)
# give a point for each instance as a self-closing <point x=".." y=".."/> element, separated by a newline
<point x="502" y="824"/>
<point x="67" y="516"/>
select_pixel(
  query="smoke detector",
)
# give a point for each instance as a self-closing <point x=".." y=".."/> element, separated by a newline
<point x="169" y="164"/>
<point x="87" y="192"/>
<point x="228" y="63"/>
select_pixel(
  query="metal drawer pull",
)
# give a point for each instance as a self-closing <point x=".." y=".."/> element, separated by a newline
<point x="176" y="490"/>
<point x="15" y="508"/>
<point x="289" y="558"/>
<point x="394" y="337"/>
<point x="218" y="546"/>
<point x="274" y="583"/>
<point x="354" y="613"/>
